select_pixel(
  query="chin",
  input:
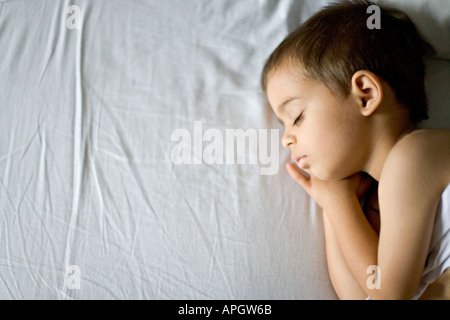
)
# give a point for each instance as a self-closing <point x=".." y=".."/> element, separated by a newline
<point x="328" y="175"/>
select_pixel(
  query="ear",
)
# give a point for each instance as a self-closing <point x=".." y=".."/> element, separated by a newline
<point x="368" y="90"/>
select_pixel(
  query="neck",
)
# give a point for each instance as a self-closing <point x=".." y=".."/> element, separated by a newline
<point x="387" y="136"/>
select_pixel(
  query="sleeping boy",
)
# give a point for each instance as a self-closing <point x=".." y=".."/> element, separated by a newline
<point x="350" y="99"/>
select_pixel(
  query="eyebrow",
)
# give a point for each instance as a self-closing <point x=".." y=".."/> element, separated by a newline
<point x="283" y="105"/>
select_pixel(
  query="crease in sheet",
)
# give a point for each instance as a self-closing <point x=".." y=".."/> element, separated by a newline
<point x="77" y="141"/>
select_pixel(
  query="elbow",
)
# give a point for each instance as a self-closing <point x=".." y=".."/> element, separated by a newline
<point x="393" y="288"/>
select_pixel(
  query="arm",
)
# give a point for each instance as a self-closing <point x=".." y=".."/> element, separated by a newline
<point x="344" y="283"/>
<point x="355" y="237"/>
<point x="352" y="233"/>
<point x="409" y="194"/>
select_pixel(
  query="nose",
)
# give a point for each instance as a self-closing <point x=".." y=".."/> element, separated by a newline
<point x="288" y="140"/>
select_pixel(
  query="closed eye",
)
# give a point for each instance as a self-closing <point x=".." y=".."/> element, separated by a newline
<point x="298" y="119"/>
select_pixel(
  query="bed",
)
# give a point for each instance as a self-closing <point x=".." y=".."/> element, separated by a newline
<point x="112" y="183"/>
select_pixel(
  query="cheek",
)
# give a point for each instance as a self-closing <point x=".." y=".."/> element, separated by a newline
<point x="331" y="150"/>
<point x="332" y="139"/>
<point x="322" y="134"/>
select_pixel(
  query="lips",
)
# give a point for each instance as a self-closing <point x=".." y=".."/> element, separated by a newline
<point x="300" y="161"/>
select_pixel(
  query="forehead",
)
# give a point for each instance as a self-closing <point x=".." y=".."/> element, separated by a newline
<point x="287" y="83"/>
<point x="286" y="73"/>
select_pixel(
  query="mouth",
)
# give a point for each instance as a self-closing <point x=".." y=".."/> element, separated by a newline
<point x="300" y="161"/>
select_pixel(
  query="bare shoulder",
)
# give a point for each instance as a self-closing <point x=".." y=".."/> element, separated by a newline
<point x="425" y="154"/>
<point x="416" y="172"/>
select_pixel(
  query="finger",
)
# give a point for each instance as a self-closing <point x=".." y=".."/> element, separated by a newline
<point x="297" y="175"/>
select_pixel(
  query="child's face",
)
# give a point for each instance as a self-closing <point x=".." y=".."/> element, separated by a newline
<point x="328" y="139"/>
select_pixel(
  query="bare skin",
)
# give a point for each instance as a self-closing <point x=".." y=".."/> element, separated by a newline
<point x="344" y="145"/>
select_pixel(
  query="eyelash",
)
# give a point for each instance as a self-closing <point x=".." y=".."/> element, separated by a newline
<point x="298" y="119"/>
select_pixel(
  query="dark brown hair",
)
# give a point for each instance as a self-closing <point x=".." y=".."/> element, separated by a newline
<point x="336" y="42"/>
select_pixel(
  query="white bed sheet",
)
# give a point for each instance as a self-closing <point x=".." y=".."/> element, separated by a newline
<point x="92" y="205"/>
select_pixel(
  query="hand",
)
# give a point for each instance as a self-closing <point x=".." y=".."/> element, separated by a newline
<point x="325" y="193"/>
